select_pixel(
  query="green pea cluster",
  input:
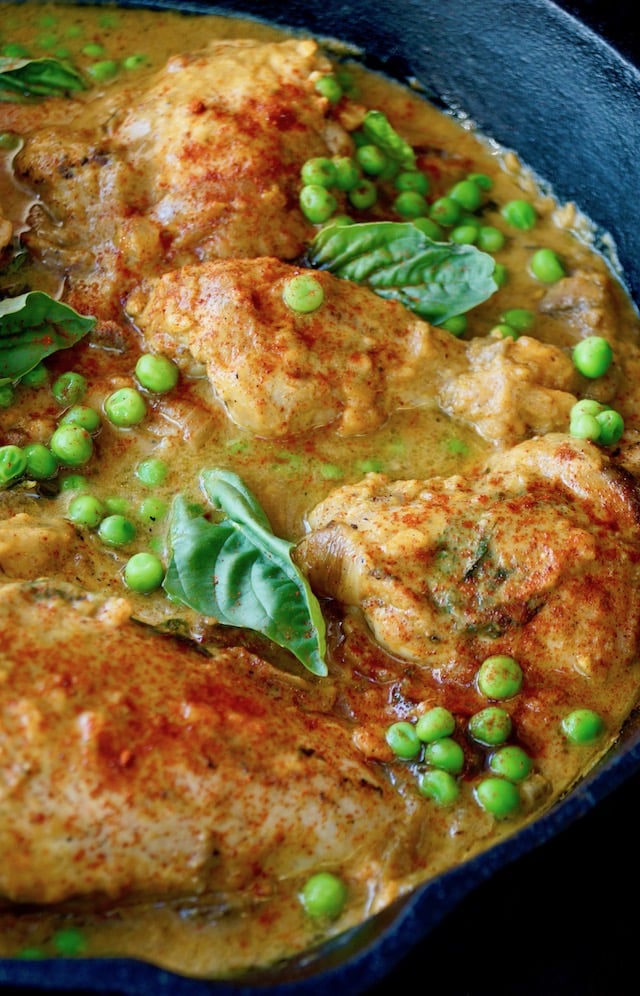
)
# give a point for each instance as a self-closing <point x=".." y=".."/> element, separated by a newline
<point x="71" y="447"/>
<point x="589" y="419"/>
<point x="430" y="742"/>
<point x="92" y="55"/>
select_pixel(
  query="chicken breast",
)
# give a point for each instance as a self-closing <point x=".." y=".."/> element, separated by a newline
<point x="201" y="161"/>
<point x="352" y="361"/>
<point x="131" y="763"/>
<point x="503" y="560"/>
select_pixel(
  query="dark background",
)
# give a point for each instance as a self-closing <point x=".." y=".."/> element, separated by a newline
<point x="564" y="920"/>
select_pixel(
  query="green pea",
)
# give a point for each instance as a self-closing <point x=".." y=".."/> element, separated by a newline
<point x="481" y="180"/>
<point x="403" y="740"/>
<point x="41" y="462"/>
<point x="116" y="505"/>
<point x="511" y="762"/>
<point x="74" y="482"/>
<point x="104" y="70"/>
<point x="585" y="427"/>
<point x="144" y="573"/>
<point x="35" y="377"/>
<point x="82" y="415"/>
<point x="72" y="445"/>
<point x="412" y="180"/>
<point x="86" y="510"/>
<point x="490" y="238"/>
<point x="467" y="194"/>
<point x="583" y="726"/>
<point x="156" y="373"/>
<point x="440" y="786"/>
<point x="499" y="677"/>
<point x="125" y="407"/>
<point x="324" y="895"/>
<point x="547" y="266"/>
<point x="364" y="195"/>
<point x="303" y="293"/>
<point x="329" y="87"/>
<point x="410" y="204"/>
<point x="152" y="510"/>
<point x="498" y="797"/>
<point x="435" y="723"/>
<point x="15" y="51"/>
<point x="13" y="463"/>
<point x="93" y="50"/>
<point x="457" y="324"/>
<point x="592" y="356"/>
<point x="445" y="753"/>
<point x="464" y="234"/>
<point x="69" y="388"/>
<point x="347" y="172"/>
<point x="520" y="214"/>
<point x="339" y="219"/>
<point x="611" y="427"/>
<point x="445" y="211"/>
<point x="429" y="228"/>
<point x="134" y="61"/>
<point x="319" y="170"/>
<point x="520" y="319"/>
<point x="31" y="954"/>
<point x="586" y="406"/>
<point x="116" y="530"/>
<point x="152" y="471"/>
<point x="500" y="274"/>
<point x="46" y="41"/>
<point x="370" y="466"/>
<point x="69" y="942"/>
<point x="371" y="159"/>
<point x="317" y="203"/>
<point x="7" y="395"/>
<point x="490" y="726"/>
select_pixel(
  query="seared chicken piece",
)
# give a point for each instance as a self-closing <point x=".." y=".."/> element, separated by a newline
<point x="132" y="764"/>
<point x="354" y="360"/>
<point x="504" y="560"/>
<point x="201" y="161"/>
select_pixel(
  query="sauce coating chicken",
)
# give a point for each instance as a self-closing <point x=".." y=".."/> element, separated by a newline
<point x="353" y="361"/>
<point x="501" y="560"/>
<point x="132" y="765"/>
<point x="201" y="160"/>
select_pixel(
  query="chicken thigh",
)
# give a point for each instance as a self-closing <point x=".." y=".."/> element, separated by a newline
<point x="503" y="560"/>
<point x="353" y="361"/>
<point x="132" y="764"/>
<point x="202" y="161"/>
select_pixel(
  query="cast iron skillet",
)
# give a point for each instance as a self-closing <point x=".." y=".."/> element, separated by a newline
<point x="535" y="76"/>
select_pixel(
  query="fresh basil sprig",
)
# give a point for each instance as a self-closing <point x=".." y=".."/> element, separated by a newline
<point x="239" y="572"/>
<point x="32" y="327"/>
<point x="22" y="80"/>
<point x="436" y="280"/>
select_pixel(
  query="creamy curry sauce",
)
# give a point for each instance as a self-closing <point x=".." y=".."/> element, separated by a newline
<point x="366" y="688"/>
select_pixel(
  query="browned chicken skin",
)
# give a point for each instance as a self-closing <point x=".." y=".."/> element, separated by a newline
<point x="202" y="162"/>
<point x="500" y="560"/>
<point x="134" y="765"/>
<point x="353" y="361"/>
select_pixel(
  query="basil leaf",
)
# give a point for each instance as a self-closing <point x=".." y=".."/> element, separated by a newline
<point x="238" y="571"/>
<point x="32" y="327"/>
<point x="381" y="133"/>
<point x="436" y="280"/>
<point x="24" y="79"/>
